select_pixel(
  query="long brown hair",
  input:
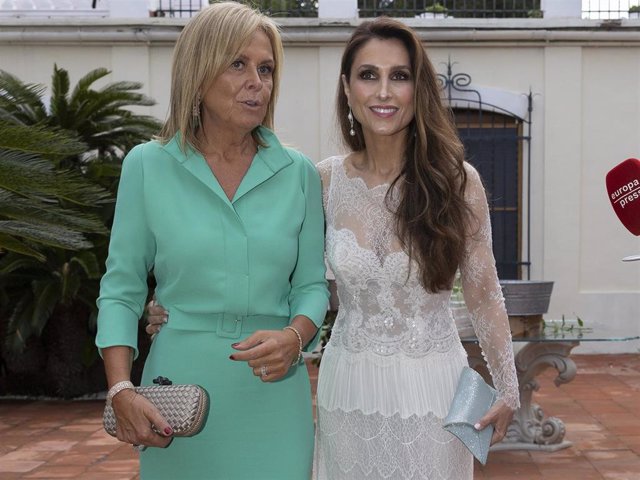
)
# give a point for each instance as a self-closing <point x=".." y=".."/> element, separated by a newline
<point x="432" y="217"/>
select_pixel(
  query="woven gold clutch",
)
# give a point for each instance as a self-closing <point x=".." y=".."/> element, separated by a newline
<point x="185" y="407"/>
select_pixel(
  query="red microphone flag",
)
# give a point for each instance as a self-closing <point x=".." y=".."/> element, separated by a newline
<point x="623" y="186"/>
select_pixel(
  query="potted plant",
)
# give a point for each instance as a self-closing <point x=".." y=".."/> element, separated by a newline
<point x="436" y="10"/>
<point x="535" y="14"/>
<point x="634" y="11"/>
<point x="526" y="301"/>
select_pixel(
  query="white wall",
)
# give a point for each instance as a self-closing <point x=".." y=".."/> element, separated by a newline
<point x="586" y="119"/>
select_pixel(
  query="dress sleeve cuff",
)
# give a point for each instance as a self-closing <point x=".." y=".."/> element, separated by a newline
<point x="117" y="326"/>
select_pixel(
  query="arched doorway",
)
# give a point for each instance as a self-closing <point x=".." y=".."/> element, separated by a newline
<point x="496" y="135"/>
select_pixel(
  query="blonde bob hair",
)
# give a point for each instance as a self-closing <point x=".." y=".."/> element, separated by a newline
<point x="207" y="45"/>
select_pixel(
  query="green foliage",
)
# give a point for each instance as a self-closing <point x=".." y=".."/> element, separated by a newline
<point x="61" y="280"/>
<point x="46" y="219"/>
<point x="634" y="9"/>
<point x="39" y="206"/>
<point x="99" y="117"/>
<point x="59" y="166"/>
<point x="561" y="328"/>
<point x="436" y="8"/>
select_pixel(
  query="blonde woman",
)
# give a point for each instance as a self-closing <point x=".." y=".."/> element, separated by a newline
<point x="231" y="224"/>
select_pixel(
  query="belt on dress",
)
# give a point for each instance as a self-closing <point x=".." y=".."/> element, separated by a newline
<point x="228" y="325"/>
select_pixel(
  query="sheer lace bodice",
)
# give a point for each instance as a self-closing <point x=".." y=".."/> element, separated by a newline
<point x="383" y="308"/>
<point x="391" y="368"/>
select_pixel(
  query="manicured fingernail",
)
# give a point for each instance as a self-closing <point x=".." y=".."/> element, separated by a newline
<point x="234" y="345"/>
<point x="165" y="319"/>
<point x="231" y="357"/>
<point x="477" y="426"/>
<point x="168" y="431"/>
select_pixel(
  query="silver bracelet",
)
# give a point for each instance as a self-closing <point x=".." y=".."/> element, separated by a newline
<point x="117" y="388"/>
<point x="294" y="330"/>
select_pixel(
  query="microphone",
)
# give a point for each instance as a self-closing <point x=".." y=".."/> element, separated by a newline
<point x="623" y="187"/>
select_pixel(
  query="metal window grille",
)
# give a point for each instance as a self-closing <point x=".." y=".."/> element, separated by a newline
<point x="177" y="8"/>
<point x="374" y="8"/>
<point x="451" y="8"/>
<point x="610" y="9"/>
<point x="275" y="8"/>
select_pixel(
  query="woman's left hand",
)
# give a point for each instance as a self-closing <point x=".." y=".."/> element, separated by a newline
<point x="269" y="353"/>
<point x="500" y="415"/>
<point x="157" y="316"/>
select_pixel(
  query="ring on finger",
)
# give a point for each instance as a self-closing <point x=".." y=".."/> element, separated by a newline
<point x="139" y="448"/>
<point x="263" y="371"/>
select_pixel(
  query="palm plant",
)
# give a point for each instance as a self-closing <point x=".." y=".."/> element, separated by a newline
<point x="100" y="117"/>
<point x="33" y="192"/>
<point x="59" y="166"/>
<point x="47" y="217"/>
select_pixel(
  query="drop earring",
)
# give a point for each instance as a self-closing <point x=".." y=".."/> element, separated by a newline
<point x="352" y="132"/>
<point x="196" y="109"/>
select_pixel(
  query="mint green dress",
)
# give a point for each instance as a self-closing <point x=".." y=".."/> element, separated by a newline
<point x="223" y="269"/>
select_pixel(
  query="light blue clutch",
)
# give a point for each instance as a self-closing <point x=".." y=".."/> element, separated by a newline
<point x="473" y="398"/>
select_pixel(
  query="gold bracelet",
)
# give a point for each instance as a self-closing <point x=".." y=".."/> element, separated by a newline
<point x="117" y="388"/>
<point x="294" y="330"/>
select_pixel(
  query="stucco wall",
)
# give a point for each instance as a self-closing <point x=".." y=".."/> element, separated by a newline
<point x="585" y="78"/>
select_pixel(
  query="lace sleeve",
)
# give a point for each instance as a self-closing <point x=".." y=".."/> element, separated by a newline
<point x="483" y="295"/>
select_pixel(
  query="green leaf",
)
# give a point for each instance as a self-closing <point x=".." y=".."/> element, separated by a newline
<point x="70" y="284"/>
<point x="19" y="327"/>
<point x="26" y="175"/>
<point x="19" y="208"/>
<point x="85" y="82"/>
<point x="11" y="263"/>
<point x="21" y="101"/>
<point x="88" y="262"/>
<point x="39" y="140"/>
<point x="12" y="244"/>
<point x="59" y="92"/>
<point x="46" y="294"/>
<point x="50" y="235"/>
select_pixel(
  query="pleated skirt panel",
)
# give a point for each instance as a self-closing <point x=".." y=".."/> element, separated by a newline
<point x="254" y="430"/>
<point x="380" y="418"/>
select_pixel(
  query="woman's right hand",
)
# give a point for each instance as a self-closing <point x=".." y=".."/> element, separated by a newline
<point x="136" y="420"/>
<point x="156" y="317"/>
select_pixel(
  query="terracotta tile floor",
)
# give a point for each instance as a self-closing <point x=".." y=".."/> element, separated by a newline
<point x="600" y="408"/>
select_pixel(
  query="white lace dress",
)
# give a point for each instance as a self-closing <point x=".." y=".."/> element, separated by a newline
<point x="389" y="372"/>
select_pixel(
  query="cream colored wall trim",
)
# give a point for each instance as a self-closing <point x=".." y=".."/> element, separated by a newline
<point x="312" y="32"/>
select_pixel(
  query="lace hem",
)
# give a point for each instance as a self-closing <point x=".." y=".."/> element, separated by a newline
<point x="356" y="446"/>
